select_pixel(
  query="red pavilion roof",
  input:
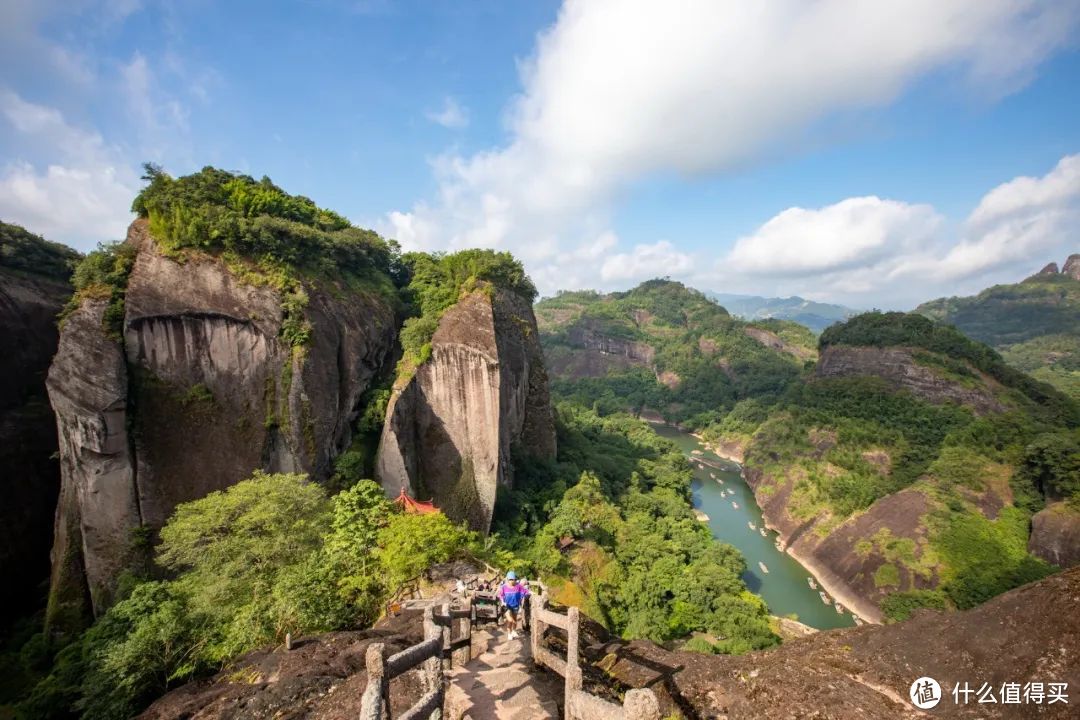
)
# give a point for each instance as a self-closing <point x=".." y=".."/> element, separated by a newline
<point x="414" y="506"/>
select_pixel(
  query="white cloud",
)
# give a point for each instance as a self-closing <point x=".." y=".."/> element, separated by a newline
<point x="868" y="250"/>
<point x="452" y="115"/>
<point x="618" y="90"/>
<point x="80" y="198"/>
<point x="646" y="261"/>
<point x="854" y="233"/>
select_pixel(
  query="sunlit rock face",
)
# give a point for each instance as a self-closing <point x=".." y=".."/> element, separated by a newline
<point x="199" y="392"/>
<point x="451" y="429"/>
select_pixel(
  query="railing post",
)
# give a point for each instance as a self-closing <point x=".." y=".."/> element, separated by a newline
<point x="465" y="655"/>
<point x="641" y="704"/>
<point x="371" y="704"/>
<point x="573" y="671"/>
<point x="447" y="633"/>
<point x="432" y="672"/>
<point x="536" y="626"/>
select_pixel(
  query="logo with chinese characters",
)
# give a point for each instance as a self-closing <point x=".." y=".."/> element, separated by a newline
<point x="925" y="693"/>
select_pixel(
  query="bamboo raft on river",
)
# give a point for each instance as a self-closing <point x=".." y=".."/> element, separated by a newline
<point x="763" y="568"/>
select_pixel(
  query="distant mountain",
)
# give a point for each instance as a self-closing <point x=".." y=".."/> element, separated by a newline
<point x="1035" y="324"/>
<point x="814" y="315"/>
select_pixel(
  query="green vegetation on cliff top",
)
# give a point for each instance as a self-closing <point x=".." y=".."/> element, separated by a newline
<point x="23" y="251"/>
<point x="436" y="281"/>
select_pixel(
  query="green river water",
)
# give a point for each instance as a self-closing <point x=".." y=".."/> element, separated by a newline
<point x="784" y="587"/>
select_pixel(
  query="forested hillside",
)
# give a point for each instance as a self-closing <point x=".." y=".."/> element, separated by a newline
<point x="1035" y="324"/>
<point x="667" y="348"/>
<point x="911" y="462"/>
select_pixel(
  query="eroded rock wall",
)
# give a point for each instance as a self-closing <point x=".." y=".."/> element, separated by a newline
<point x="31" y="473"/>
<point x="450" y="430"/>
<point x="899" y="367"/>
<point x="199" y="392"/>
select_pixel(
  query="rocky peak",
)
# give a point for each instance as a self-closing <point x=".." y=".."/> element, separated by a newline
<point x="200" y="390"/>
<point x="450" y="429"/>
<point x="1050" y="269"/>
<point x="1072" y="267"/>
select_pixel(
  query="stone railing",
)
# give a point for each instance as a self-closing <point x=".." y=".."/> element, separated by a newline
<point x="579" y="704"/>
<point x="438" y="649"/>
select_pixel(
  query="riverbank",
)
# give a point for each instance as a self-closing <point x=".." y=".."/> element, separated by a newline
<point x="826" y="579"/>
<point x="721" y="492"/>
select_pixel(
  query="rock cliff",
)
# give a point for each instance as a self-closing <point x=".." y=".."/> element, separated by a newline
<point x="200" y="391"/>
<point x="29" y="305"/>
<point x="901" y="368"/>
<point x="451" y="429"/>
<point x="1072" y="267"/>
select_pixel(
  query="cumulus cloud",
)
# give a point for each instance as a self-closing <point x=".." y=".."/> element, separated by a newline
<point x="868" y="250"/>
<point x="618" y="90"/>
<point x="452" y="115"/>
<point x="82" y="196"/>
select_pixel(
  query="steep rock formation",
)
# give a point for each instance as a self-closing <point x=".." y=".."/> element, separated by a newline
<point x="1055" y="535"/>
<point x="1049" y="269"/>
<point x="200" y="392"/>
<point x="450" y="430"/>
<point x="899" y="367"/>
<point x="28" y="308"/>
<point x="1072" y="267"/>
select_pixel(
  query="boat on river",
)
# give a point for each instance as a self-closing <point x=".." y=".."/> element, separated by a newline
<point x="825" y="598"/>
<point x="763" y="568"/>
<point x="695" y="452"/>
<point x="752" y="525"/>
<point x="839" y="609"/>
<point x="811" y="583"/>
<point x="762" y="531"/>
<point x="712" y="475"/>
<point x="720" y="480"/>
<point x="734" y="504"/>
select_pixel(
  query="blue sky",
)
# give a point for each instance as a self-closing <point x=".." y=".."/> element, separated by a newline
<point x="875" y="154"/>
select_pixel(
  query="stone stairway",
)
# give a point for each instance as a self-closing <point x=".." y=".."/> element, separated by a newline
<point x="501" y="682"/>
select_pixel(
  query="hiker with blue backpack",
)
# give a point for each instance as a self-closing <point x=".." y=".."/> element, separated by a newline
<point x="512" y="596"/>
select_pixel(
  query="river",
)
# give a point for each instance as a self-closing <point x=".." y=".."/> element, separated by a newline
<point x="784" y="587"/>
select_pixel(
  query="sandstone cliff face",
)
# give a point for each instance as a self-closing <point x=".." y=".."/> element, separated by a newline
<point x="200" y="392"/>
<point x="450" y="430"/>
<point x="1072" y="267"/>
<point x="1055" y="535"/>
<point x="28" y="309"/>
<point x="590" y="352"/>
<point x="899" y="368"/>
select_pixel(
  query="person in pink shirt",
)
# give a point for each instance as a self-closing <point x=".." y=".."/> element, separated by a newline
<point x="512" y="596"/>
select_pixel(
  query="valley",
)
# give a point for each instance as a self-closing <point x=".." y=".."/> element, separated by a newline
<point x="784" y="587"/>
<point x="272" y="424"/>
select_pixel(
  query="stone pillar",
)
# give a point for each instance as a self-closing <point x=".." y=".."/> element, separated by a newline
<point x="573" y="671"/>
<point x="432" y="672"/>
<point x="371" y="704"/>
